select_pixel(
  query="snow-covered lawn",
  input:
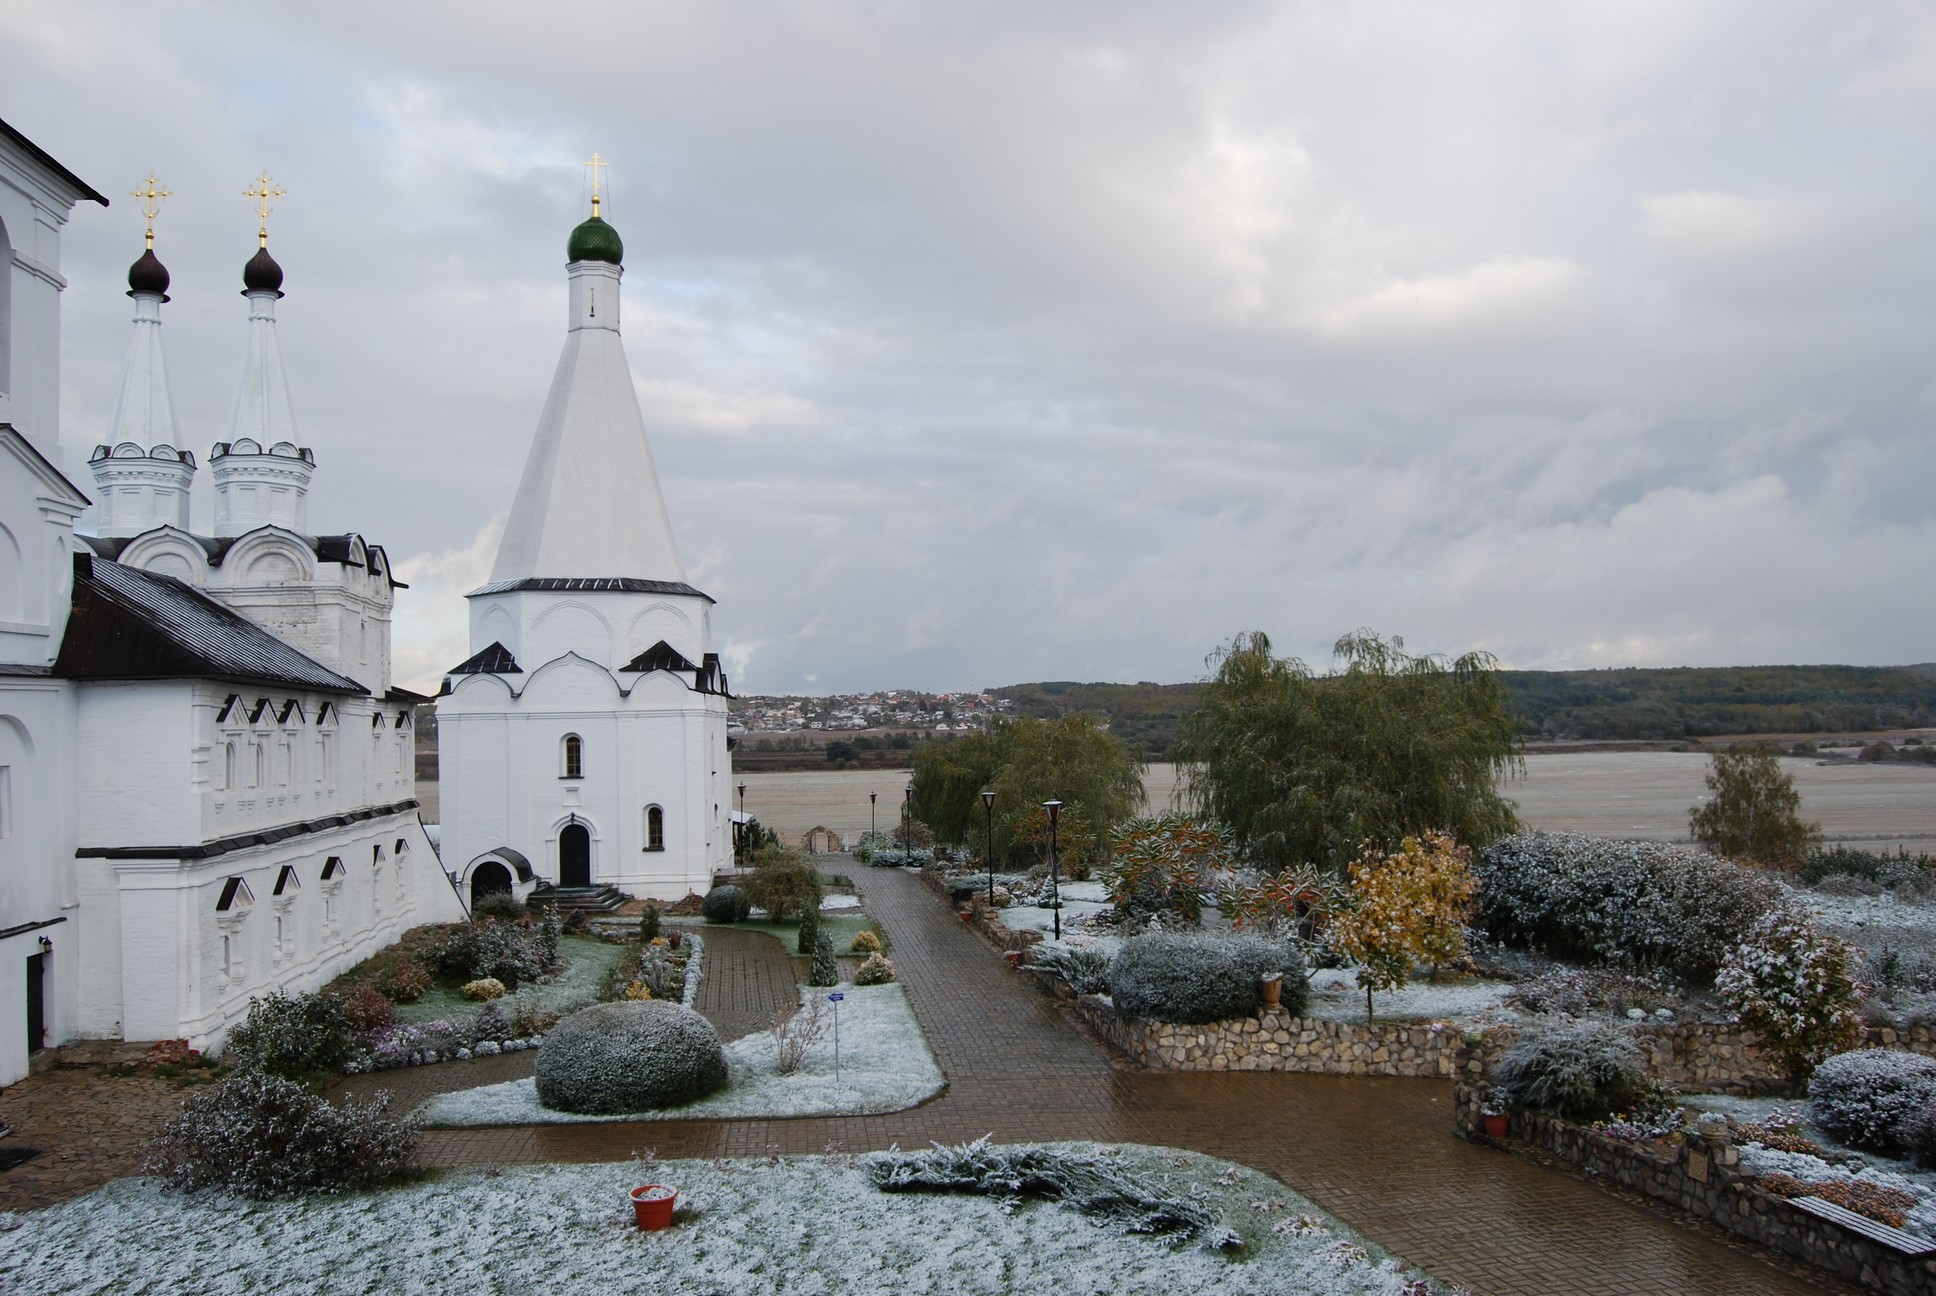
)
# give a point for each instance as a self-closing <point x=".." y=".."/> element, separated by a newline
<point x="1336" y="995"/>
<point x="1868" y="911"/>
<point x="577" y="983"/>
<point x="839" y="901"/>
<point x="1075" y="915"/>
<point x="885" y="1065"/>
<point x="804" y="1226"/>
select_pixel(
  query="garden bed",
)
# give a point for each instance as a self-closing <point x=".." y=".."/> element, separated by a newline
<point x="586" y="964"/>
<point x="885" y="1066"/>
<point x="801" y="1226"/>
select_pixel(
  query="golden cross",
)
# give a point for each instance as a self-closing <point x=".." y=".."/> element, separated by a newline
<point x="596" y="164"/>
<point x="264" y="192"/>
<point x="149" y="198"/>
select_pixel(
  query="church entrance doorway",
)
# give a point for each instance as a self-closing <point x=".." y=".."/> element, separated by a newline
<point x="489" y="878"/>
<point x="36" y="1003"/>
<point x="575" y="856"/>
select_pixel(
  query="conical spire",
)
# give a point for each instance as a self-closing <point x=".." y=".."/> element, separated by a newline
<point x="260" y="411"/>
<point x="589" y="504"/>
<point x="145" y="411"/>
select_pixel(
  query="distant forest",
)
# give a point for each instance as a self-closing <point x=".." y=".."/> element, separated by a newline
<point x="1685" y="702"/>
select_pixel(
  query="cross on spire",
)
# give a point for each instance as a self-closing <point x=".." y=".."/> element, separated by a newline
<point x="263" y="192"/>
<point x="149" y="196"/>
<point x="596" y="164"/>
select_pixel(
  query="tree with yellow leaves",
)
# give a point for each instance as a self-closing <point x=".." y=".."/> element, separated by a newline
<point x="1408" y="906"/>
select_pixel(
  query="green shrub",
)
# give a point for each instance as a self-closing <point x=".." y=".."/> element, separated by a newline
<point x="1793" y="985"/>
<point x="501" y="905"/>
<point x="874" y="970"/>
<point x="405" y="981"/>
<point x="1581" y="1070"/>
<point x="782" y="883"/>
<point x="1900" y="871"/>
<point x="1196" y="977"/>
<point x="825" y="970"/>
<point x="505" y="951"/>
<point x="263" y="1136"/>
<point x="649" y="923"/>
<point x="628" y="1057"/>
<point x="725" y="904"/>
<point x="1085" y="968"/>
<point x="809" y="931"/>
<point x="292" y="1037"/>
<point x="865" y="942"/>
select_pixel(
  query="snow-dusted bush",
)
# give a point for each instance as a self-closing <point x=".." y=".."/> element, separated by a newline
<point x="1648" y="904"/>
<point x="405" y="981"/>
<point x="1582" y="1070"/>
<point x="1791" y="983"/>
<point x="1090" y="1184"/>
<point x="367" y="1010"/>
<point x="507" y="952"/>
<point x="864" y="942"/>
<point x="874" y="970"/>
<point x="1084" y="967"/>
<point x="1194" y="977"/>
<point x="809" y="934"/>
<point x="491" y="1023"/>
<point x="483" y="988"/>
<point x="725" y="904"/>
<point x="295" y="1037"/>
<point x="824" y="970"/>
<point x="626" y="1057"/>
<point x="262" y="1136"/>
<point x="1862" y="1098"/>
<point x="1916" y="1134"/>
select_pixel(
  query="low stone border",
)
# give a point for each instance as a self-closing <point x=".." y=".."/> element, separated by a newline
<point x="1276" y="1041"/>
<point x="1700" y="1171"/>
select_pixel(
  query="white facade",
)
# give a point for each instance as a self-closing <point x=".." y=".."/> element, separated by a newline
<point x="586" y="737"/>
<point x="206" y="788"/>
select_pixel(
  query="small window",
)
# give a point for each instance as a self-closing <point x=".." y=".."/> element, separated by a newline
<point x="261" y="760"/>
<point x="654" y="828"/>
<point x="235" y="895"/>
<point x="287" y="883"/>
<point x="228" y="767"/>
<point x="574" y="756"/>
<point x="332" y="868"/>
<point x="376" y="853"/>
<point x="400" y="848"/>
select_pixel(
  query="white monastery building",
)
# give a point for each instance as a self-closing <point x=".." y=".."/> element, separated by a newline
<point x="584" y="743"/>
<point x="206" y="777"/>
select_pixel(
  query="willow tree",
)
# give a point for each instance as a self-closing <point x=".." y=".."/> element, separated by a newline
<point x="1302" y="768"/>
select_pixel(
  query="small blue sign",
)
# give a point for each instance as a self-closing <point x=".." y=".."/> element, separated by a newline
<point x="835" y="997"/>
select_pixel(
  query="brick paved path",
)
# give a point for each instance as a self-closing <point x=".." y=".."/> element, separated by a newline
<point x="745" y="979"/>
<point x="1377" y="1152"/>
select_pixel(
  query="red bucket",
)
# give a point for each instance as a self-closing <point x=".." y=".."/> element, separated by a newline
<point x="653" y="1203"/>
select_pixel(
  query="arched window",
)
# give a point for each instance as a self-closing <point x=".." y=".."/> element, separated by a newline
<point x="261" y="759"/>
<point x="574" y="757"/>
<point x="654" y="828"/>
<point x="228" y="767"/>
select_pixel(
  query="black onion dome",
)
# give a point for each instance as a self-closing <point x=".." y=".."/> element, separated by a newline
<point x="262" y="274"/>
<point x="148" y="275"/>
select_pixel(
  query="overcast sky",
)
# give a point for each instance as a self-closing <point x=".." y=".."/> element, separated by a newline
<point x="982" y="343"/>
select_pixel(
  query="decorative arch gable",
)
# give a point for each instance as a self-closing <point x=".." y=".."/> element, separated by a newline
<point x="571" y="679"/>
<point x="168" y="551"/>
<point x="269" y="556"/>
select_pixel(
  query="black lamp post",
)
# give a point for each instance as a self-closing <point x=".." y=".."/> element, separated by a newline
<point x="988" y="804"/>
<point x="870" y="813"/>
<point x="907" y="820"/>
<point x="739" y="839"/>
<point x="1055" y="877"/>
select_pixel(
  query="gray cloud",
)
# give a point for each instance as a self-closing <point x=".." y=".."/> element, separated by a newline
<point x="989" y="342"/>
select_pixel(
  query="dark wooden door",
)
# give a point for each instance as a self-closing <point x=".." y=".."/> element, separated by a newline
<point x="575" y="856"/>
<point x="36" y="1002"/>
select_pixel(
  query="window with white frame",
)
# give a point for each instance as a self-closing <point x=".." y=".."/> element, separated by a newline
<point x="574" y="754"/>
<point x="654" y="828"/>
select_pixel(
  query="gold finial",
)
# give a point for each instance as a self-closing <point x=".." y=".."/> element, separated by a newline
<point x="149" y="197"/>
<point x="597" y="164"/>
<point x="264" y="192"/>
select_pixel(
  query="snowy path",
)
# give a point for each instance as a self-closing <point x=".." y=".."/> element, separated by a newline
<point x="1377" y="1152"/>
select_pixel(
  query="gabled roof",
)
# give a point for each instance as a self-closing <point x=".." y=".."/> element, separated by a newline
<point x="130" y="624"/>
<point x="660" y="656"/>
<point x="46" y="159"/>
<point x="494" y="660"/>
<point x="37" y="463"/>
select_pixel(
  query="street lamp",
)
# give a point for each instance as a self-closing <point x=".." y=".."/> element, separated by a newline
<point x="739" y="841"/>
<point x="988" y="858"/>
<point x="1055" y="878"/>
<point x="870" y="812"/>
<point x="907" y="820"/>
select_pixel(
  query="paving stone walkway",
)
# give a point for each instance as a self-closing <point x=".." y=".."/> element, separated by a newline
<point x="1378" y="1152"/>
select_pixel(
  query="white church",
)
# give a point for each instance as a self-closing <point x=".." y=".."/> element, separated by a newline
<point x="583" y="744"/>
<point x="206" y="774"/>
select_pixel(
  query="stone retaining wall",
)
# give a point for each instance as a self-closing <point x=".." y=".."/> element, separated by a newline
<point x="1714" y="1057"/>
<point x="1276" y="1041"/>
<point x="1698" y="1170"/>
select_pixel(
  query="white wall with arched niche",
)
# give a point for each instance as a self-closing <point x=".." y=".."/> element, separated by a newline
<point x="663" y="620"/>
<point x="168" y="552"/>
<point x="570" y="627"/>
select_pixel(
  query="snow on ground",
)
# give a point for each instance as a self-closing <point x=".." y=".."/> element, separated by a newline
<point x="1337" y="996"/>
<point x="1867" y="911"/>
<point x="839" y="901"/>
<point x="885" y="1066"/>
<point x="806" y="1226"/>
<point x="576" y="984"/>
<point x="1075" y="915"/>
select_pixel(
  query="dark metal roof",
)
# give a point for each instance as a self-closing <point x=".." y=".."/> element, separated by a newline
<point x="330" y="549"/>
<point x="660" y="656"/>
<point x="494" y="660"/>
<point x="242" y="841"/>
<point x="516" y="859"/>
<point x="46" y="159"/>
<point x="405" y="695"/>
<point x="129" y="624"/>
<point x="591" y="585"/>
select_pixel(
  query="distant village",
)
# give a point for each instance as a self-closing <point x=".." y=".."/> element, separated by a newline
<point x="889" y="709"/>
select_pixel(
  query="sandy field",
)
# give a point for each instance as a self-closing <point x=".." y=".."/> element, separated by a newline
<point x="1617" y="794"/>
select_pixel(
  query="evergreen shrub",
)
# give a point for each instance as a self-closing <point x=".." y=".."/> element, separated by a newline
<point x="1862" y="1098"/>
<point x="825" y="971"/>
<point x="1195" y="977"/>
<point x="293" y="1037"/>
<point x="500" y="905"/>
<point x="1581" y="1070"/>
<point x="874" y="970"/>
<point x="1084" y="967"/>
<point x="725" y="904"/>
<point x="509" y="952"/>
<point x="809" y="931"/>
<point x="865" y="942"/>
<point x="629" y="1056"/>
<point x="262" y="1136"/>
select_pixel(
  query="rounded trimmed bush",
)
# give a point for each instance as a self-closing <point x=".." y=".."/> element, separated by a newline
<point x="1196" y="977"/>
<point x="631" y="1056"/>
<point x="865" y="942"/>
<point x="1581" y="1070"/>
<point x="725" y="904"/>
<point x="874" y="970"/>
<point x="483" y="988"/>
<point x="1862" y="1098"/>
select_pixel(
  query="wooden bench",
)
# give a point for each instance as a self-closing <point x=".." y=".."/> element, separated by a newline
<point x="1895" y="1239"/>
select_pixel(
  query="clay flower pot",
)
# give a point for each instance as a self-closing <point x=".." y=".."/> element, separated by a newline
<point x="1014" y="958"/>
<point x="968" y="916"/>
<point x="653" y="1203"/>
<point x="1495" y="1124"/>
<point x="1272" y="989"/>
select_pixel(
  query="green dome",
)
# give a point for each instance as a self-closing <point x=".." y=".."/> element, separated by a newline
<point x="595" y="241"/>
